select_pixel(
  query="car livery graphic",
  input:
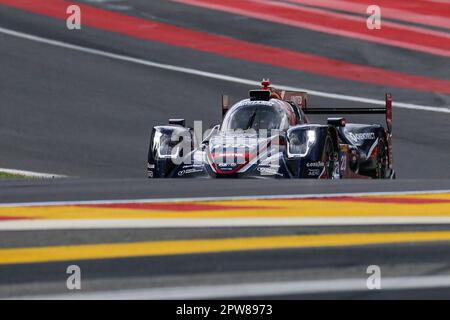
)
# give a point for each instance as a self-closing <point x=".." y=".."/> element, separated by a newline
<point x="269" y="135"/>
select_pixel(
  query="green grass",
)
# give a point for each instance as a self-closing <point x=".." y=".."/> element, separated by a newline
<point x="4" y="175"/>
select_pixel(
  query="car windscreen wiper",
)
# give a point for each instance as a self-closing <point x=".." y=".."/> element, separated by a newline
<point x="251" y="120"/>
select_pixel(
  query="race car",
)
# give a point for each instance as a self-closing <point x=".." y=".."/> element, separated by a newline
<point x="269" y="135"/>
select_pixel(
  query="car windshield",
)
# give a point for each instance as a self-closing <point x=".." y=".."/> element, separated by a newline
<point x="256" y="117"/>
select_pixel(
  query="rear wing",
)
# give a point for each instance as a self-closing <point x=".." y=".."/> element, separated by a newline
<point x="387" y="110"/>
<point x="298" y="97"/>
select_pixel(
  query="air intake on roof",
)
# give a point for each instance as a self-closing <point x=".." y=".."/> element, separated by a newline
<point x="259" y="95"/>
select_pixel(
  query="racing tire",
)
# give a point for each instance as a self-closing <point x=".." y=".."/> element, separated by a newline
<point x="328" y="158"/>
<point x="382" y="160"/>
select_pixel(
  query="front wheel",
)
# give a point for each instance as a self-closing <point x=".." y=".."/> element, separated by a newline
<point x="329" y="159"/>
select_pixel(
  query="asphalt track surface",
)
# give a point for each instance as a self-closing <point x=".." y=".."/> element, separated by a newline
<point x="89" y="117"/>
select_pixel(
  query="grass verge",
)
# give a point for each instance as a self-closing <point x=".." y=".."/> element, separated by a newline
<point x="5" y="175"/>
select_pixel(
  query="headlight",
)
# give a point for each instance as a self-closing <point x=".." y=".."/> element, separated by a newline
<point x="164" y="147"/>
<point x="299" y="145"/>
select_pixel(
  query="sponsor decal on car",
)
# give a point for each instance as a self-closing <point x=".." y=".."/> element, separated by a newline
<point x="226" y="165"/>
<point x="314" y="172"/>
<point x="259" y="102"/>
<point x="344" y="162"/>
<point x="188" y="171"/>
<point x="268" y="171"/>
<point x="361" y="136"/>
<point x="318" y="164"/>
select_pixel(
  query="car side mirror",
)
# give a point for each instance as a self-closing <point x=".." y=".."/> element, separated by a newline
<point x="210" y="132"/>
<point x="179" y="122"/>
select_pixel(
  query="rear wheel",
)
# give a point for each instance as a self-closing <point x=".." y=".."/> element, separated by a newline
<point x="382" y="160"/>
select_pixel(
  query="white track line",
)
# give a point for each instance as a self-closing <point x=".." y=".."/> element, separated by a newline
<point x="32" y="174"/>
<point x="160" y="223"/>
<point x="212" y="75"/>
<point x="247" y="290"/>
<point x="220" y="198"/>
